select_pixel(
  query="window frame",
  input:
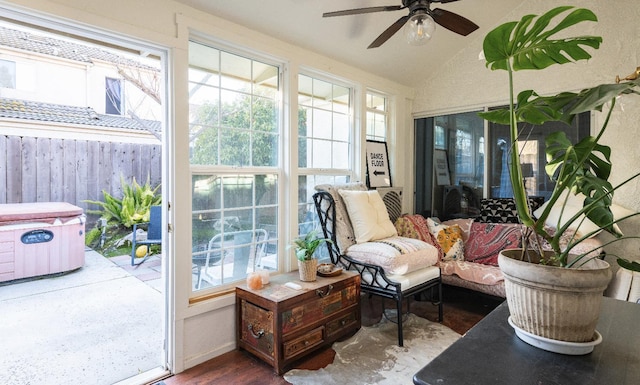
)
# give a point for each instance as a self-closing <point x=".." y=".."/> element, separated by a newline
<point x="323" y="175"/>
<point x="385" y="113"/>
<point x="110" y="102"/>
<point x="12" y="73"/>
<point x="228" y="170"/>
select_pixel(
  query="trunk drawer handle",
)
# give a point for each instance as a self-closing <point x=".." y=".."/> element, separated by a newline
<point x="255" y="335"/>
<point x="322" y="294"/>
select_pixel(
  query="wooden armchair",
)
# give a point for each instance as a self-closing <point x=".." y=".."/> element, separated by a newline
<point x="384" y="281"/>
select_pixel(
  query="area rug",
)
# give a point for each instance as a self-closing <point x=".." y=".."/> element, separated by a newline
<point x="372" y="355"/>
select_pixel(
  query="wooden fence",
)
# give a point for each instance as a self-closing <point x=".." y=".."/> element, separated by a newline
<point x="67" y="170"/>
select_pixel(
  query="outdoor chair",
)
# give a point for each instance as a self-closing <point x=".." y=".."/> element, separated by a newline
<point x="242" y="246"/>
<point x="364" y="258"/>
<point x="154" y="234"/>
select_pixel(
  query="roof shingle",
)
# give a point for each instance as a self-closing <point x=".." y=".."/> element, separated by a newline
<point x="47" y="112"/>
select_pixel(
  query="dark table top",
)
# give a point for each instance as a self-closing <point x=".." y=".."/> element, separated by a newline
<point x="491" y="353"/>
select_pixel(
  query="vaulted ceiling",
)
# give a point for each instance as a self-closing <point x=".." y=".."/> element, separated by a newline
<point x="345" y="38"/>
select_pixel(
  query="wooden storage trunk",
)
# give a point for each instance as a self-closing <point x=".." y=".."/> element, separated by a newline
<point x="280" y="325"/>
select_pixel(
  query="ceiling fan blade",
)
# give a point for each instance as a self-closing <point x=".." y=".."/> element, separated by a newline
<point x="453" y="22"/>
<point x="384" y="36"/>
<point x="358" y="11"/>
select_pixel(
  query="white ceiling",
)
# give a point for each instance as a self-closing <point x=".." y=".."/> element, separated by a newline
<point x="345" y="38"/>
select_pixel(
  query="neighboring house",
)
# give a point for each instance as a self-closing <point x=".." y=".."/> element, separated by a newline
<point x="74" y="118"/>
<point x="40" y="68"/>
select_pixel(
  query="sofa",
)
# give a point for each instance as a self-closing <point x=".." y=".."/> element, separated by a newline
<point x="468" y="248"/>
<point x="461" y="262"/>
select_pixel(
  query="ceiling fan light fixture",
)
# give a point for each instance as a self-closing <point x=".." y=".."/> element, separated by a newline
<point x="419" y="29"/>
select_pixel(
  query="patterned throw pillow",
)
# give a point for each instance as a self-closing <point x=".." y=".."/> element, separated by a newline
<point x="498" y="210"/>
<point x="465" y="226"/>
<point x="449" y="240"/>
<point x="486" y="240"/>
<point x="415" y="226"/>
<point x="503" y="210"/>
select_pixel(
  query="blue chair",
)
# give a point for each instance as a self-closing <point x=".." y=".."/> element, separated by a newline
<point x="154" y="233"/>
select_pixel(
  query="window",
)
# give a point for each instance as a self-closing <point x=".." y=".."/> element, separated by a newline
<point x="464" y="153"/>
<point x="377" y="114"/>
<point x="234" y="133"/>
<point x="113" y="98"/>
<point x="324" y="121"/>
<point x="462" y="135"/>
<point x="532" y="155"/>
<point x="7" y="74"/>
<point x="439" y="142"/>
<point x="470" y="153"/>
<point x="325" y="124"/>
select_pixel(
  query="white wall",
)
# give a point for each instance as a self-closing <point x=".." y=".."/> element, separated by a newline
<point x="464" y="84"/>
<point x="34" y="69"/>
<point x="207" y="328"/>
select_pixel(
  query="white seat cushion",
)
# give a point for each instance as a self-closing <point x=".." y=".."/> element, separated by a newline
<point x="396" y="255"/>
<point x="407" y="281"/>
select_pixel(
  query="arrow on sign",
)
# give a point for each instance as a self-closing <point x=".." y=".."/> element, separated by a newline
<point x="376" y="173"/>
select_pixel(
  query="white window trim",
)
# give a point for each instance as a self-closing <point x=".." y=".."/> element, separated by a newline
<point x="281" y="169"/>
<point x="386" y="112"/>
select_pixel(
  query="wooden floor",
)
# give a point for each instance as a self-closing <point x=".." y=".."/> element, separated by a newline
<point x="462" y="310"/>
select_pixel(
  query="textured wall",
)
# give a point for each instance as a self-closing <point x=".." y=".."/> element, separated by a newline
<point x="465" y="84"/>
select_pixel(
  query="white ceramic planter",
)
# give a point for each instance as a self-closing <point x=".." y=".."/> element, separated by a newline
<point x="553" y="302"/>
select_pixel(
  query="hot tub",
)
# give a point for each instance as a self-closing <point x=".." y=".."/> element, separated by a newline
<point x="40" y="239"/>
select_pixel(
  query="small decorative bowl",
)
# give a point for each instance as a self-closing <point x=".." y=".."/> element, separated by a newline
<point x="328" y="270"/>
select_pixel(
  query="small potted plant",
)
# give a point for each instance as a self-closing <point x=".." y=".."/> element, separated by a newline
<point x="580" y="169"/>
<point x="305" y="247"/>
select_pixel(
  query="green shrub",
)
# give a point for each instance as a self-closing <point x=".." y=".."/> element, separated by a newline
<point x="134" y="207"/>
<point x="92" y="236"/>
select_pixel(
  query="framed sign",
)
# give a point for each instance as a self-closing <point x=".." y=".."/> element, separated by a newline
<point x="441" y="168"/>
<point x="378" y="171"/>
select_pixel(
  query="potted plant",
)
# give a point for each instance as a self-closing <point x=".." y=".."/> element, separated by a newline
<point x="305" y="247"/>
<point x="534" y="276"/>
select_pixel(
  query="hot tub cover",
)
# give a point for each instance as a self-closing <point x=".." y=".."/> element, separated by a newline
<point x="47" y="212"/>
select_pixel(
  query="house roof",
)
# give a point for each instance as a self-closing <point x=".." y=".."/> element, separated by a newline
<point x="58" y="113"/>
<point x="31" y="42"/>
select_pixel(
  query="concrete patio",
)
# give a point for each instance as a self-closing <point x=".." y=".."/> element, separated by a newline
<point x="100" y="324"/>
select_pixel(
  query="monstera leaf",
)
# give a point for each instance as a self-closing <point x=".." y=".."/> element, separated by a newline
<point x="585" y="167"/>
<point x="629" y="265"/>
<point x="522" y="46"/>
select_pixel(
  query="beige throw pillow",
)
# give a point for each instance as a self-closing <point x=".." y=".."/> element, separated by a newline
<point x="368" y="215"/>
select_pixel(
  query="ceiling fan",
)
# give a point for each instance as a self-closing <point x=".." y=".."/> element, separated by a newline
<point x="419" y="22"/>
